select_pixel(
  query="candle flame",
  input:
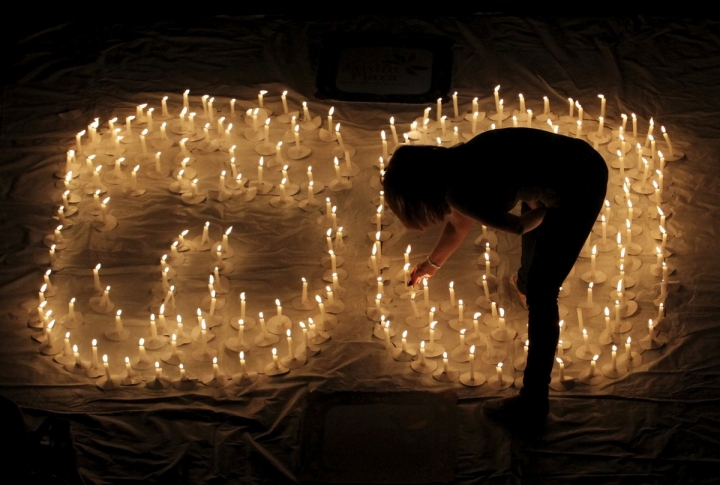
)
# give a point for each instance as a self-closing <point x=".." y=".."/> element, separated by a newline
<point x="105" y="358"/>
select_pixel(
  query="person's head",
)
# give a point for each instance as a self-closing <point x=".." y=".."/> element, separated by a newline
<point x="414" y="186"/>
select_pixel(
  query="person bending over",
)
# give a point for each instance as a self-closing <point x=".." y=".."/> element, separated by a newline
<point x="562" y="182"/>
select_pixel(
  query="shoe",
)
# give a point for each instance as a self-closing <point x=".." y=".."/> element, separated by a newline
<point x="519" y="414"/>
<point x="513" y="284"/>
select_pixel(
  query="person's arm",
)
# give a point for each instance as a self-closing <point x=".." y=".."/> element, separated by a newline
<point x="453" y="234"/>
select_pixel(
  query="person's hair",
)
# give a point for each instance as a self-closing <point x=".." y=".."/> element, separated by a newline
<point x="414" y="186"/>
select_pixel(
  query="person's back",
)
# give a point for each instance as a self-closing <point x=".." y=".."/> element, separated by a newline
<point x="499" y="167"/>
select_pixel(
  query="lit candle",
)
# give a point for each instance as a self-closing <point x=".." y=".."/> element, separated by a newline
<point x="128" y="125"/>
<point x="461" y="311"/>
<point x="275" y="358"/>
<point x="593" y="255"/>
<point x="107" y="367"/>
<point x="561" y="374"/>
<point x="499" y="373"/>
<point x="78" y="141"/>
<point x="386" y="331"/>
<point x="546" y="105"/>
<point x="497" y="98"/>
<point x="593" y="365"/>
<point x="118" y="322"/>
<point x="602" y="106"/>
<point x="164" y="106"/>
<point x="96" y="277"/>
<point x="472" y="362"/>
<point x="614" y="358"/>
<point x="283" y="97"/>
<point x="94" y="353"/>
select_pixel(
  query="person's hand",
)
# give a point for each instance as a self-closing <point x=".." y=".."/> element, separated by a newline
<point x="536" y="204"/>
<point x="420" y="271"/>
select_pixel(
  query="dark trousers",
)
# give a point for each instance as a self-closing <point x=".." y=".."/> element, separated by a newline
<point x="548" y="255"/>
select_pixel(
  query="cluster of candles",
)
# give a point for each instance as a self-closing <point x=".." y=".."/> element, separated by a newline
<point x="640" y="174"/>
<point x="646" y="180"/>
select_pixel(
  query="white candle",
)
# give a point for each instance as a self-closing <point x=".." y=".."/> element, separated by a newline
<point x="561" y="375"/>
<point x="602" y="105"/>
<point x="497" y="98"/>
<point x="96" y="277"/>
<point x="284" y="102"/>
<point x="291" y="351"/>
<point x="78" y="141"/>
<point x="546" y="105"/>
<point x="304" y="291"/>
<point x="107" y="367"/>
<point x="499" y="373"/>
<point x="472" y="363"/>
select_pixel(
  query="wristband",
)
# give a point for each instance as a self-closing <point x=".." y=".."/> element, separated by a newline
<point x="436" y="266"/>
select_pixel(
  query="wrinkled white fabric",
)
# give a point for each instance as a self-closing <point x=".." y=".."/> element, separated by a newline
<point x="657" y="423"/>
